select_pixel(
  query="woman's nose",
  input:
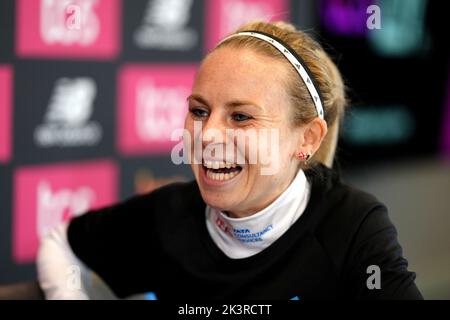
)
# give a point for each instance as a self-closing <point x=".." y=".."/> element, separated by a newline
<point x="214" y="129"/>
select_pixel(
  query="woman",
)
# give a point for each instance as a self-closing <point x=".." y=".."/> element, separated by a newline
<point x="293" y="230"/>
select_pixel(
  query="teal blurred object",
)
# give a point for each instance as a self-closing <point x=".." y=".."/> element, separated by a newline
<point x="402" y="30"/>
<point x="379" y="125"/>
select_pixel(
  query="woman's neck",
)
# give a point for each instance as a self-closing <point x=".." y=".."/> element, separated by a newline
<point x="245" y="236"/>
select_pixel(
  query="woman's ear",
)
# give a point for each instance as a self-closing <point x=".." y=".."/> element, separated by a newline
<point x="313" y="134"/>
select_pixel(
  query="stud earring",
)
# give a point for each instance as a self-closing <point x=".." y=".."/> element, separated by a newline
<point x="303" y="156"/>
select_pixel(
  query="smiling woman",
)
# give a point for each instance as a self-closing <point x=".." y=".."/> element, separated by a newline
<point x="244" y="88"/>
<point x="237" y="231"/>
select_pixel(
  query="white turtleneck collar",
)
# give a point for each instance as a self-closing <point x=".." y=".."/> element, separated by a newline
<point x="244" y="237"/>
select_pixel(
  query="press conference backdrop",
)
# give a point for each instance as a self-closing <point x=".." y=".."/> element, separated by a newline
<point x="91" y="91"/>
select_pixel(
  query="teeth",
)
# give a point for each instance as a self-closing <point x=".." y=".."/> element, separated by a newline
<point x="218" y="164"/>
<point x="220" y="176"/>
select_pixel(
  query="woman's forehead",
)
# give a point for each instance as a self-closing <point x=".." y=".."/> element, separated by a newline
<point x="240" y="70"/>
<point x="242" y="61"/>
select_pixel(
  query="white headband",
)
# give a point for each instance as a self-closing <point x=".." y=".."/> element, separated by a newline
<point x="294" y="59"/>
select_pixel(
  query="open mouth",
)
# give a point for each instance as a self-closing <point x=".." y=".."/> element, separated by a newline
<point x="221" y="171"/>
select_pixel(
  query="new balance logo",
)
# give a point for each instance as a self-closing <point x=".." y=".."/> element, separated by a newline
<point x="67" y="123"/>
<point x="164" y="26"/>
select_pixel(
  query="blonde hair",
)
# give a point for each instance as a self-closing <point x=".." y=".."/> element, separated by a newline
<point x="324" y="71"/>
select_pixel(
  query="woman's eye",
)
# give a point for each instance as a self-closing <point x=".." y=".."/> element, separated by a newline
<point x="199" y="113"/>
<point x="240" y="117"/>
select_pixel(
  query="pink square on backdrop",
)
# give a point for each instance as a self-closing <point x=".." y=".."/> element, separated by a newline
<point x="45" y="196"/>
<point x="152" y="104"/>
<point x="6" y="93"/>
<point x="68" y="28"/>
<point x="224" y="16"/>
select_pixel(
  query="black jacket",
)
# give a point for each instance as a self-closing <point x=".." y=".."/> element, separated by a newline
<point x="158" y="242"/>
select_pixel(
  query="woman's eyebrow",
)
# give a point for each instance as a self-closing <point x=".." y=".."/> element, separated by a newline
<point x="237" y="103"/>
<point x="232" y="104"/>
<point x="198" y="98"/>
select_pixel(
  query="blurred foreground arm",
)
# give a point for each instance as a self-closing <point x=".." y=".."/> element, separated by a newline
<point x="60" y="273"/>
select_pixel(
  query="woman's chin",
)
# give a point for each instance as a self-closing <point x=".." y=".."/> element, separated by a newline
<point x="217" y="203"/>
<point x="219" y="192"/>
<point x="218" y="199"/>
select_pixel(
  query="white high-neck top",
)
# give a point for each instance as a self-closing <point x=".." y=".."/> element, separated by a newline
<point x="244" y="237"/>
